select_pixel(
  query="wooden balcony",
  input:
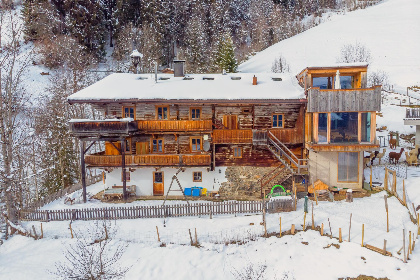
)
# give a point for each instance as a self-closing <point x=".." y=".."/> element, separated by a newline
<point x="147" y="160"/>
<point x="344" y="100"/>
<point x="174" y="126"/>
<point x="412" y="116"/>
<point x="232" y="136"/>
<point x="102" y="127"/>
<point x="289" y="135"/>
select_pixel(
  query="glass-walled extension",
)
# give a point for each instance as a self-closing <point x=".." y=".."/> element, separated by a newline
<point x="343" y="128"/>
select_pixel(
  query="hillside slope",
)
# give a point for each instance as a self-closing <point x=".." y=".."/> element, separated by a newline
<point x="390" y="30"/>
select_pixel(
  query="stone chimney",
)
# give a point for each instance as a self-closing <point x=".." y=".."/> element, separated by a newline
<point x="254" y="80"/>
<point x="179" y="68"/>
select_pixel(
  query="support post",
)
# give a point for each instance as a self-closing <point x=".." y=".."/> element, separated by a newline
<point x="83" y="169"/>
<point x="363" y="233"/>
<point x="404" y="254"/>
<point x="351" y="214"/>
<point x="123" y="169"/>
<point x="387" y="215"/>
<point x="280" y="228"/>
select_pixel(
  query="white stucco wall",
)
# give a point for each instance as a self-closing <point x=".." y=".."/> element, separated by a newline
<point x="324" y="166"/>
<point x="142" y="178"/>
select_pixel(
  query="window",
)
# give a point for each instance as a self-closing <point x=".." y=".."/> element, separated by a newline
<point x="366" y="124"/>
<point x="346" y="82"/>
<point x="127" y="145"/>
<point x="162" y="112"/>
<point x="237" y="152"/>
<point x="348" y="166"/>
<point x="157" y="145"/>
<point x="127" y="176"/>
<point x="158" y="177"/>
<point x="344" y="127"/>
<point x="322" y="127"/>
<point x="322" y="82"/>
<point x="197" y="176"/>
<point x="277" y="120"/>
<point x="129" y="112"/>
<point x="195" y="144"/>
<point x="195" y="113"/>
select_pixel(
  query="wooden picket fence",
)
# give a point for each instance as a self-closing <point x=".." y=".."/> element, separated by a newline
<point x="59" y="194"/>
<point x="159" y="211"/>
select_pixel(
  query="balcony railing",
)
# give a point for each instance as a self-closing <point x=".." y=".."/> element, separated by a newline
<point x="344" y="100"/>
<point x="167" y="125"/>
<point x="148" y="160"/>
<point x="412" y="113"/>
<point x="102" y="127"/>
<point x="232" y="136"/>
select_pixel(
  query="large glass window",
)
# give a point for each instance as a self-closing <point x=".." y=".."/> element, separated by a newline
<point x="344" y="127"/>
<point x="366" y="124"/>
<point x="346" y="82"/>
<point x="348" y="168"/>
<point x="322" y="82"/>
<point x="322" y="127"/>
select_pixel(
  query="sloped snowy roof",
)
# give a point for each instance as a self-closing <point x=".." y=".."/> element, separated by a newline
<point x="137" y="87"/>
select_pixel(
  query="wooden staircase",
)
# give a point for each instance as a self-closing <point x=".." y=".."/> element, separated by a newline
<point x="291" y="164"/>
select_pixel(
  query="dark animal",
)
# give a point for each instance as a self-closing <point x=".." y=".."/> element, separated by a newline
<point x="393" y="143"/>
<point x="395" y="157"/>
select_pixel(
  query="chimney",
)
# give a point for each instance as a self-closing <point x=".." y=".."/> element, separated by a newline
<point x="179" y="68"/>
<point x="254" y="80"/>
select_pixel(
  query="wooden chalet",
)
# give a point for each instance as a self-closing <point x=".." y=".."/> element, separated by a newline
<point x="340" y="122"/>
<point x="210" y="126"/>
<point x="204" y="124"/>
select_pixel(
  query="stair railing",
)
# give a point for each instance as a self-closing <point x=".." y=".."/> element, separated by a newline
<point x="286" y="152"/>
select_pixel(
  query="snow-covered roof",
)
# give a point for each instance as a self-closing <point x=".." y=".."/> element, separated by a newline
<point x="235" y="86"/>
<point x="340" y="65"/>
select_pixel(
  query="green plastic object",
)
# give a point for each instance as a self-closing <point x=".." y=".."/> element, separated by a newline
<point x="276" y="194"/>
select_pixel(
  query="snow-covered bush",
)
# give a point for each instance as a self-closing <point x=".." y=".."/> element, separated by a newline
<point x="354" y="53"/>
<point x="280" y="65"/>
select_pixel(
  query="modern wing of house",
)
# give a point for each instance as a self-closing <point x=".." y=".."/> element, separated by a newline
<point x="237" y="133"/>
<point x="340" y="122"/>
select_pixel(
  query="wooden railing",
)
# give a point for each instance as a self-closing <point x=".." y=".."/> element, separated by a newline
<point x="412" y="113"/>
<point x="289" y="135"/>
<point x="102" y="126"/>
<point x="167" y="125"/>
<point x="148" y="160"/>
<point x="199" y="160"/>
<point x="232" y="136"/>
<point x="159" y="211"/>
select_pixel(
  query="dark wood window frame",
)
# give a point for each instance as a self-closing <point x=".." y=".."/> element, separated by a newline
<point x="193" y="113"/>
<point x="193" y="147"/>
<point x="197" y="176"/>
<point x="157" y="146"/>
<point x="167" y="112"/>
<point x="282" y="120"/>
<point x="235" y="152"/>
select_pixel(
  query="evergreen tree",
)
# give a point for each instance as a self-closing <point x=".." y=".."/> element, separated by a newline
<point x="40" y="19"/>
<point x="225" y="55"/>
<point x="196" y="46"/>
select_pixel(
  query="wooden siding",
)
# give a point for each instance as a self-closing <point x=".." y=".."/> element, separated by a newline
<point x="251" y="156"/>
<point x="148" y="160"/>
<point x="174" y="126"/>
<point x="232" y="136"/>
<point x="342" y="147"/>
<point x="345" y="100"/>
<point x="289" y="135"/>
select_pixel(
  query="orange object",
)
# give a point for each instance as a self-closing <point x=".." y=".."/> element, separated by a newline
<point x="318" y="185"/>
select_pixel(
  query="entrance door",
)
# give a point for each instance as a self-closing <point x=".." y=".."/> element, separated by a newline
<point x="158" y="183"/>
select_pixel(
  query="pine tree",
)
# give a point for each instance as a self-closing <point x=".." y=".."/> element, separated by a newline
<point x="40" y="19"/>
<point x="225" y="54"/>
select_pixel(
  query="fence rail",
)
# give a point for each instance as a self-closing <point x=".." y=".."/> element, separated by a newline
<point x="159" y="211"/>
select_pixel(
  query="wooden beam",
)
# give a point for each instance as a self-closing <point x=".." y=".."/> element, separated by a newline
<point x="123" y="170"/>
<point x="87" y="149"/>
<point x="83" y="169"/>
<point x="119" y="150"/>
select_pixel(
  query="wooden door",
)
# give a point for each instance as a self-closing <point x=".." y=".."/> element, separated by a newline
<point x="230" y="121"/>
<point x="158" y="185"/>
<point x="142" y="148"/>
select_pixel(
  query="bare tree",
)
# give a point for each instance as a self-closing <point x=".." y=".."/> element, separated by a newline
<point x="14" y="100"/>
<point x="90" y="258"/>
<point x="280" y="65"/>
<point x="378" y="78"/>
<point x="354" y="53"/>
